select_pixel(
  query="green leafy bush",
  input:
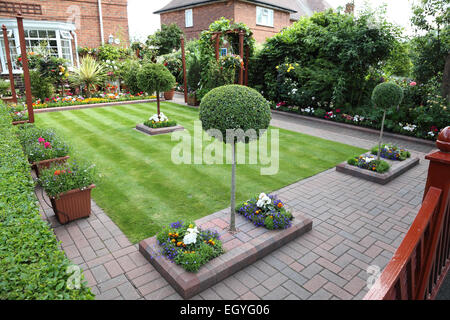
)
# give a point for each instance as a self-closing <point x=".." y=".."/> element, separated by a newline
<point x="4" y="87"/>
<point x="130" y="69"/>
<point x="235" y="107"/>
<point x="41" y="87"/>
<point x="166" y="39"/>
<point x="41" y="144"/>
<point x="386" y="95"/>
<point x="31" y="266"/>
<point x="60" y="178"/>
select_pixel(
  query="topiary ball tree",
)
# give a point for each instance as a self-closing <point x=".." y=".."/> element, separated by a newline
<point x="154" y="77"/>
<point x="384" y="96"/>
<point x="233" y="110"/>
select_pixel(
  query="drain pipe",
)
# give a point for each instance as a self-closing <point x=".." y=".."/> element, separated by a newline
<point x="75" y="38"/>
<point x="100" y="16"/>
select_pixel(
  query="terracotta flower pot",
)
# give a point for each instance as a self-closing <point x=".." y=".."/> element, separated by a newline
<point x="168" y="95"/>
<point x="192" y="101"/>
<point x="72" y="205"/>
<point x="45" y="164"/>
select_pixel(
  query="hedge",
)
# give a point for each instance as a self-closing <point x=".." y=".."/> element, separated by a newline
<point x="31" y="266"/>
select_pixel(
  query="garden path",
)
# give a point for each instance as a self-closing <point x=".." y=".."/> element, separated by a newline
<point x="357" y="224"/>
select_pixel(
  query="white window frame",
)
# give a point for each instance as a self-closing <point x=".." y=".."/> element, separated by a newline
<point x="262" y="12"/>
<point x="36" y="25"/>
<point x="189" y="18"/>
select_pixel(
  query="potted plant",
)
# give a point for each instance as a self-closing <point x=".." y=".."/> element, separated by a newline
<point x="42" y="147"/>
<point x="69" y="186"/>
<point x="232" y="109"/>
<point x="192" y="99"/>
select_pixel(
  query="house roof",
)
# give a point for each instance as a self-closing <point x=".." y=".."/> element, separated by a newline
<point x="308" y="7"/>
<point x="286" y="5"/>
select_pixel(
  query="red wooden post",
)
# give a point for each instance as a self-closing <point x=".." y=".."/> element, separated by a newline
<point x="26" y="71"/>
<point x="10" y="67"/>
<point x="217" y="45"/>
<point x="247" y="57"/>
<point x="241" y="53"/>
<point x="183" y="57"/>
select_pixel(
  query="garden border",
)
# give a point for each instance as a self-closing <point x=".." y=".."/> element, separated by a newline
<point x="355" y="127"/>
<point x="248" y="245"/>
<point x="92" y="105"/>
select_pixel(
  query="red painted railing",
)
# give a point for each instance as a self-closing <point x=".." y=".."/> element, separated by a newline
<point x="422" y="261"/>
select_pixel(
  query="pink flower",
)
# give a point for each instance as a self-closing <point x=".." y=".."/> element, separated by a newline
<point x="412" y="84"/>
<point x="338" y="110"/>
<point x="41" y="140"/>
<point x="47" y="145"/>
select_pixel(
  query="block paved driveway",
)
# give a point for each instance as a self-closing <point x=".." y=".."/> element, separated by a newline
<point x="356" y="224"/>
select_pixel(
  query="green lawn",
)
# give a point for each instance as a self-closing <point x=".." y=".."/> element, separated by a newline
<point x="142" y="190"/>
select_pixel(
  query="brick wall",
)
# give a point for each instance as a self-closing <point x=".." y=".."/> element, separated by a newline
<point x="115" y="18"/>
<point x="239" y="11"/>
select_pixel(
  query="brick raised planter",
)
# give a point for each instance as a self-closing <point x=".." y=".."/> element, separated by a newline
<point x="45" y="164"/>
<point x="153" y="132"/>
<point x="397" y="168"/>
<point x="245" y="247"/>
<point x="72" y="205"/>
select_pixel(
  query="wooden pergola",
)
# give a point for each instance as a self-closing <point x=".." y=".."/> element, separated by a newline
<point x="243" y="73"/>
<point x="26" y="71"/>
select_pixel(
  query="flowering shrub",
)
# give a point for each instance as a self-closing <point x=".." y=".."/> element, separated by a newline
<point x="41" y="144"/>
<point x="189" y="246"/>
<point x="18" y="113"/>
<point x="159" y="121"/>
<point x="370" y="163"/>
<point x="392" y="152"/>
<point x="60" y="178"/>
<point x="267" y="211"/>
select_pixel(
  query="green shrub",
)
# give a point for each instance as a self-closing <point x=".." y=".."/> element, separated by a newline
<point x="130" y="69"/>
<point x="162" y="124"/>
<point x="352" y="161"/>
<point x="154" y="77"/>
<point x="60" y="178"/>
<point x="382" y="166"/>
<point x="41" y="87"/>
<point x="41" y="144"/>
<point x="4" y="87"/>
<point x="167" y="39"/>
<point x="386" y="95"/>
<point x="235" y="107"/>
<point x="31" y="265"/>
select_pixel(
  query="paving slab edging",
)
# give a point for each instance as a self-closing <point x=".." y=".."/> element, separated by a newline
<point x="93" y="105"/>
<point x="357" y="128"/>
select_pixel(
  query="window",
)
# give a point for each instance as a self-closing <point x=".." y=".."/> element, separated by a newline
<point x="58" y="43"/>
<point x="189" y="19"/>
<point x="223" y="52"/>
<point x="264" y="16"/>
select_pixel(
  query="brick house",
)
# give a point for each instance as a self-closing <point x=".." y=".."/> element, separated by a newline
<point x="264" y="17"/>
<point x="64" y="25"/>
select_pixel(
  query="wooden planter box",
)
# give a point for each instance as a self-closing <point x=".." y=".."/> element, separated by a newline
<point x="168" y="95"/>
<point x="7" y="99"/>
<point x="72" y="205"/>
<point x="192" y="101"/>
<point x="45" y="164"/>
<point x="15" y="123"/>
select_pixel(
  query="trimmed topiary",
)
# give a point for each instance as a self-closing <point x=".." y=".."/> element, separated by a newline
<point x="384" y="96"/>
<point x="230" y="108"/>
<point x="154" y="77"/>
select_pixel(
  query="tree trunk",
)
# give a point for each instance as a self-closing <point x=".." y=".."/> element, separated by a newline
<point x="157" y="102"/>
<point x="233" y="189"/>
<point x="446" y="79"/>
<point x="381" y="135"/>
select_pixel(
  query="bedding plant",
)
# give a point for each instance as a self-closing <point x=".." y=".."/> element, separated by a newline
<point x="369" y="162"/>
<point x="266" y="210"/>
<point x="392" y="152"/>
<point x="189" y="246"/>
<point x="159" y="121"/>
<point x="62" y="177"/>
<point x="41" y="144"/>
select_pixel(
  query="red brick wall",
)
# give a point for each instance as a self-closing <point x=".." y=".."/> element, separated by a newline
<point x="237" y="10"/>
<point x="115" y="18"/>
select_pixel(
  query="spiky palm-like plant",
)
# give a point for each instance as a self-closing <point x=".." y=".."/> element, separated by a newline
<point x="90" y="74"/>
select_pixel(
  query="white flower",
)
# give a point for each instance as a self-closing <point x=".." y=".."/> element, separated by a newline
<point x="190" y="238"/>
<point x="160" y="118"/>
<point x="368" y="159"/>
<point x="431" y="133"/>
<point x="193" y="230"/>
<point x="263" y="201"/>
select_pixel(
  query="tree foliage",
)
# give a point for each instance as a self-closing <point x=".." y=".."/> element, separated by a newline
<point x="166" y="39"/>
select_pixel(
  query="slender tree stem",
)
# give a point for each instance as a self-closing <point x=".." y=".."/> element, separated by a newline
<point x="381" y="135"/>
<point x="233" y="189"/>
<point x="157" y="101"/>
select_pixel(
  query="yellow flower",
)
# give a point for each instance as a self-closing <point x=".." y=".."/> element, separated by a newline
<point x="191" y="226"/>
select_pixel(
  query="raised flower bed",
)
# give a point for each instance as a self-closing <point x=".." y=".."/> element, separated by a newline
<point x="189" y="246"/>
<point x="158" y="124"/>
<point x="267" y="211"/>
<point x="69" y="189"/>
<point x="392" y="152"/>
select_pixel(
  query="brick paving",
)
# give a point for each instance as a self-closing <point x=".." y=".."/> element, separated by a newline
<point x="357" y="224"/>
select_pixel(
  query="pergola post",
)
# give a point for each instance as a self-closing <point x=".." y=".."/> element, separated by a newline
<point x="183" y="58"/>
<point x="217" y="45"/>
<point x="26" y="71"/>
<point x="10" y="67"/>
<point x="247" y="58"/>
<point x="241" y="53"/>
